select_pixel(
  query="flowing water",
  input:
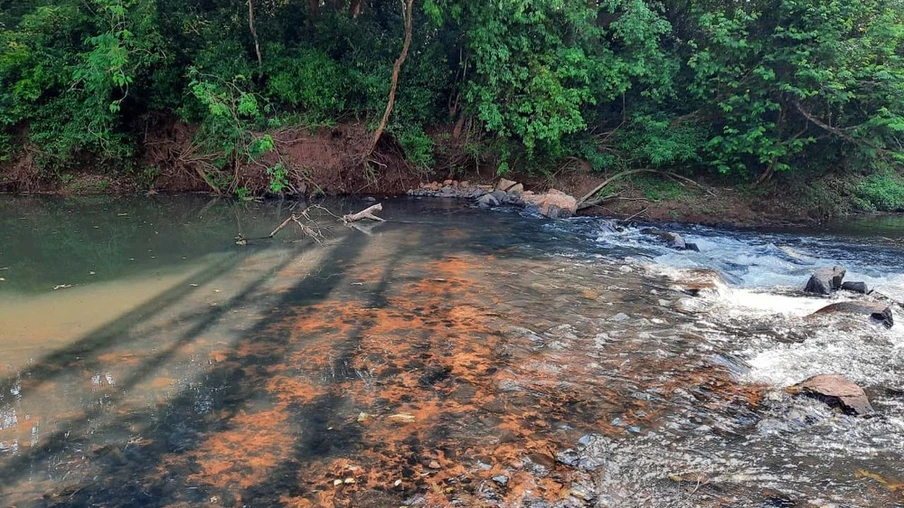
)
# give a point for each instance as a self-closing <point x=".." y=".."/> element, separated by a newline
<point x="447" y="357"/>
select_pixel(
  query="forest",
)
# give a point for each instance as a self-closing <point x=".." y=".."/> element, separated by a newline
<point x="745" y="90"/>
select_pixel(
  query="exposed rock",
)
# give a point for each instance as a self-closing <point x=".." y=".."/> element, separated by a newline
<point x="487" y="201"/>
<point x="673" y="240"/>
<point x="554" y="204"/>
<point x="516" y="189"/>
<point x="835" y="390"/>
<point x="504" y="185"/>
<point x="856" y="287"/>
<point x="825" y="280"/>
<point x="878" y="311"/>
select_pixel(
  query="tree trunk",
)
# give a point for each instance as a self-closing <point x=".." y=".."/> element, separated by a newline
<point x="356" y="8"/>
<point x="257" y="46"/>
<point x="396" y="68"/>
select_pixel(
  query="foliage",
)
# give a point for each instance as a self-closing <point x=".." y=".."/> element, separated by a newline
<point x="739" y="88"/>
<point x="882" y="191"/>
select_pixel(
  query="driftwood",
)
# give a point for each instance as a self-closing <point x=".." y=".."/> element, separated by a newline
<point x="582" y="203"/>
<point x="367" y="213"/>
<point x="308" y="229"/>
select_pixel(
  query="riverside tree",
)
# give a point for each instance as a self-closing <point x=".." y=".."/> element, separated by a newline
<point x="742" y="88"/>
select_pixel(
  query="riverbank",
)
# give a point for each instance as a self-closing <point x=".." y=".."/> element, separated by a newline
<point x="327" y="162"/>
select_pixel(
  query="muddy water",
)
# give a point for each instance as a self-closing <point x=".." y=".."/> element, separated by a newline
<point x="447" y="357"/>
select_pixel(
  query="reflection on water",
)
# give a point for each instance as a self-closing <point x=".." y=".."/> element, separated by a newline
<point x="446" y="357"/>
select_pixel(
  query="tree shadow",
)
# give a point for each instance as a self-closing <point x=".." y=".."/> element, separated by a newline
<point x="131" y="475"/>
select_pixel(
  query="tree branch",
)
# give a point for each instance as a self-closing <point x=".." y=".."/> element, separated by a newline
<point x="582" y="201"/>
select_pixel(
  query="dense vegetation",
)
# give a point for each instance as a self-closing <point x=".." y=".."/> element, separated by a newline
<point x="745" y="88"/>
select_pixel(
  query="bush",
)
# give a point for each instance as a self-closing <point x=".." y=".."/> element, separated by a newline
<point x="882" y="192"/>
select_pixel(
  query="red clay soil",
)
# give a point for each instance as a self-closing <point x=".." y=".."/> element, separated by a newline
<point x="330" y="161"/>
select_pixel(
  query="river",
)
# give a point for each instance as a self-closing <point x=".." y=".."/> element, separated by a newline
<point x="447" y="357"/>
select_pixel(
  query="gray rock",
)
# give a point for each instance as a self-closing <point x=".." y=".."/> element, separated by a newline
<point x="499" y="195"/>
<point x="834" y="390"/>
<point x="878" y="311"/>
<point x="569" y="457"/>
<point x="673" y="240"/>
<point x="856" y="287"/>
<point x="488" y="201"/>
<point x="501" y="480"/>
<point x="825" y="280"/>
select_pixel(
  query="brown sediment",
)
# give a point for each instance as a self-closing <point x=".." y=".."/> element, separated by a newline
<point x="244" y="454"/>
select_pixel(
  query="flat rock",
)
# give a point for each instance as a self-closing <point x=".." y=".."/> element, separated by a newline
<point x="878" y="311"/>
<point x="825" y="280"/>
<point x="835" y="390"/>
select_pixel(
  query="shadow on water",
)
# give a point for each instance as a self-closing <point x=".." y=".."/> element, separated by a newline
<point x="131" y="477"/>
<point x="401" y="366"/>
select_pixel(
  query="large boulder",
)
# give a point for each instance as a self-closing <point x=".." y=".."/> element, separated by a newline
<point x="825" y="280"/>
<point x="554" y="204"/>
<point x="878" y="311"/>
<point x="835" y="390"/>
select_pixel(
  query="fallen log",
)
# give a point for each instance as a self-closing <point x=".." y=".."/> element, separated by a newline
<point x="367" y="213"/>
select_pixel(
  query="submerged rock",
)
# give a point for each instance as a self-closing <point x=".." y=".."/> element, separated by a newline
<point x="856" y="287"/>
<point x="825" y="280"/>
<point x="878" y="311"/>
<point x="835" y="390"/>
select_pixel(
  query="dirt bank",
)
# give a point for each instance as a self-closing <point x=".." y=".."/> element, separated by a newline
<point x="331" y="161"/>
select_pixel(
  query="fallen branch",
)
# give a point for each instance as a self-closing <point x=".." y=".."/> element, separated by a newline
<point x="367" y="213"/>
<point x="306" y="229"/>
<point x="636" y="214"/>
<point x="642" y="170"/>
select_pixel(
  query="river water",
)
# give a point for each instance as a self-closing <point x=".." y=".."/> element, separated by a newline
<point x="447" y="357"/>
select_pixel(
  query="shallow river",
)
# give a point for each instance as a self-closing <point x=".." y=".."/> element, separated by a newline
<point x="447" y="357"/>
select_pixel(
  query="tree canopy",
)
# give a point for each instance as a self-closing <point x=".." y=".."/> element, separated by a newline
<point x="745" y="88"/>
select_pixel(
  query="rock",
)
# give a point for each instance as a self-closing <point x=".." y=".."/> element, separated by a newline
<point x="516" y="189"/>
<point x="487" y="201"/>
<point x="501" y="480"/>
<point x="825" y="280"/>
<point x="504" y="184"/>
<point x="447" y="183"/>
<point x="835" y="390"/>
<point x="878" y="311"/>
<point x="856" y="287"/>
<point x="554" y="204"/>
<point x="674" y="240"/>
<point x="499" y="195"/>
